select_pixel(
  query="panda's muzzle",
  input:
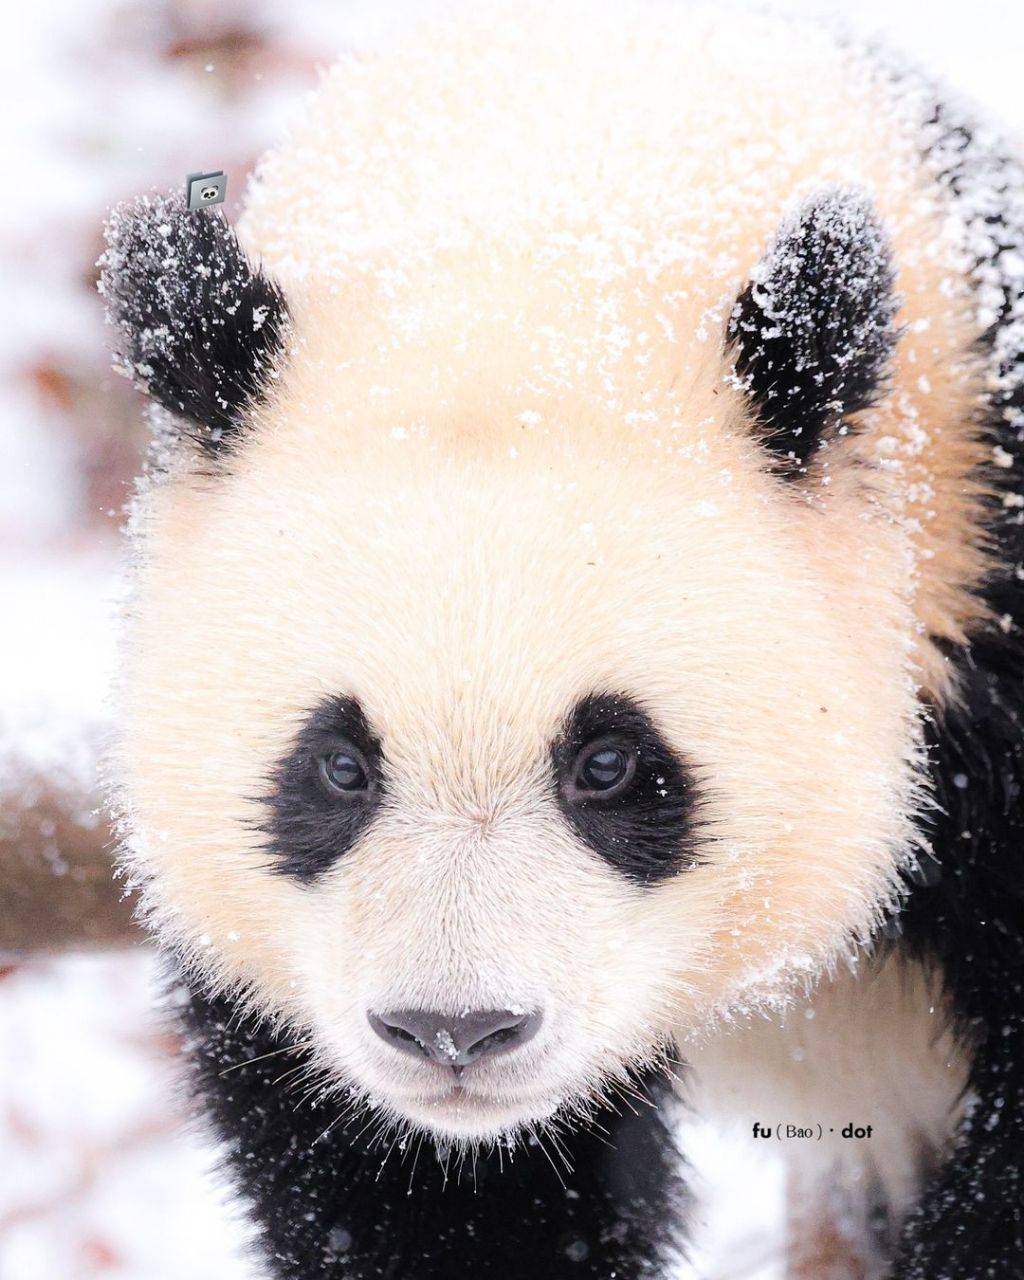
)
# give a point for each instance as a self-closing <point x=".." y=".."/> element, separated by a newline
<point x="455" y="1041"/>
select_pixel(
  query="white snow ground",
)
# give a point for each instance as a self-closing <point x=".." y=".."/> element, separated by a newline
<point x="98" y="1175"/>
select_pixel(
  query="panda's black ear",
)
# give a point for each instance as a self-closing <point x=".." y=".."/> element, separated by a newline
<point x="199" y="327"/>
<point x="813" y="331"/>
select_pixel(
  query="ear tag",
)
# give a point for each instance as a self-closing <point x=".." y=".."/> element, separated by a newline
<point x="205" y="189"/>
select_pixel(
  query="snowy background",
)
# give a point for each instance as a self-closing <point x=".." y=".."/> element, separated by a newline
<point x="99" y="1175"/>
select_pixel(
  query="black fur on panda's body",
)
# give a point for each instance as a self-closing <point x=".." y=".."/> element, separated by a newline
<point x="608" y="1200"/>
<point x="966" y="915"/>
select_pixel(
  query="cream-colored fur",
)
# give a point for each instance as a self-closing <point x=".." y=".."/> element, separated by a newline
<point x="505" y="467"/>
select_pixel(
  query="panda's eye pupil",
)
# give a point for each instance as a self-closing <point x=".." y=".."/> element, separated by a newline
<point x="343" y="772"/>
<point x="606" y="769"/>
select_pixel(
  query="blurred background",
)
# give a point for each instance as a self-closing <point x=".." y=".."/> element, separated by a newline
<point x="101" y="1175"/>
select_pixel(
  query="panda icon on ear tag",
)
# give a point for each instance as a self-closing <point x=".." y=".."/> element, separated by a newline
<point x="205" y="189"/>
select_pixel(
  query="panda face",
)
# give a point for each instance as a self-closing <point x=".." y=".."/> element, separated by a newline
<point x="499" y="775"/>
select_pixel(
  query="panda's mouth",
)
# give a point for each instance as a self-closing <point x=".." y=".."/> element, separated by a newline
<point x="464" y="1109"/>
<point x="459" y="1094"/>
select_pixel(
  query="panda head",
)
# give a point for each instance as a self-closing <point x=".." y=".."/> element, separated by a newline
<point x="494" y="744"/>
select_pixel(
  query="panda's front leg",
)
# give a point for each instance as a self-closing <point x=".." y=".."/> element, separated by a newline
<point x="601" y="1203"/>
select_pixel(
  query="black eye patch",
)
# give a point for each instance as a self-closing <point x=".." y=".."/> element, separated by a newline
<point x="623" y="790"/>
<point x="325" y="791"/>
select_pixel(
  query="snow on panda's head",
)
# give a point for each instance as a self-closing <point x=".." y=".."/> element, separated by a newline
<point x="502" y="700"/>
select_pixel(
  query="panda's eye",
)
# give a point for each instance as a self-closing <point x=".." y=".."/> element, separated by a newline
<point x="603" y="770"/>
<point x="343" y="772"/>
<point x="622" y="788"/>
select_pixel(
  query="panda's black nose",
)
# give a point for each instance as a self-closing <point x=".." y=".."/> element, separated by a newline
<point x="459" y="1039"/>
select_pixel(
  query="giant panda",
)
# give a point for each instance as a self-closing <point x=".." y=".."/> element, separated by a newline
<point x="573" y="669"/>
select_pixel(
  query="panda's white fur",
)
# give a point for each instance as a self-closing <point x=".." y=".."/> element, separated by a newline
<point x="505" y="464"/>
